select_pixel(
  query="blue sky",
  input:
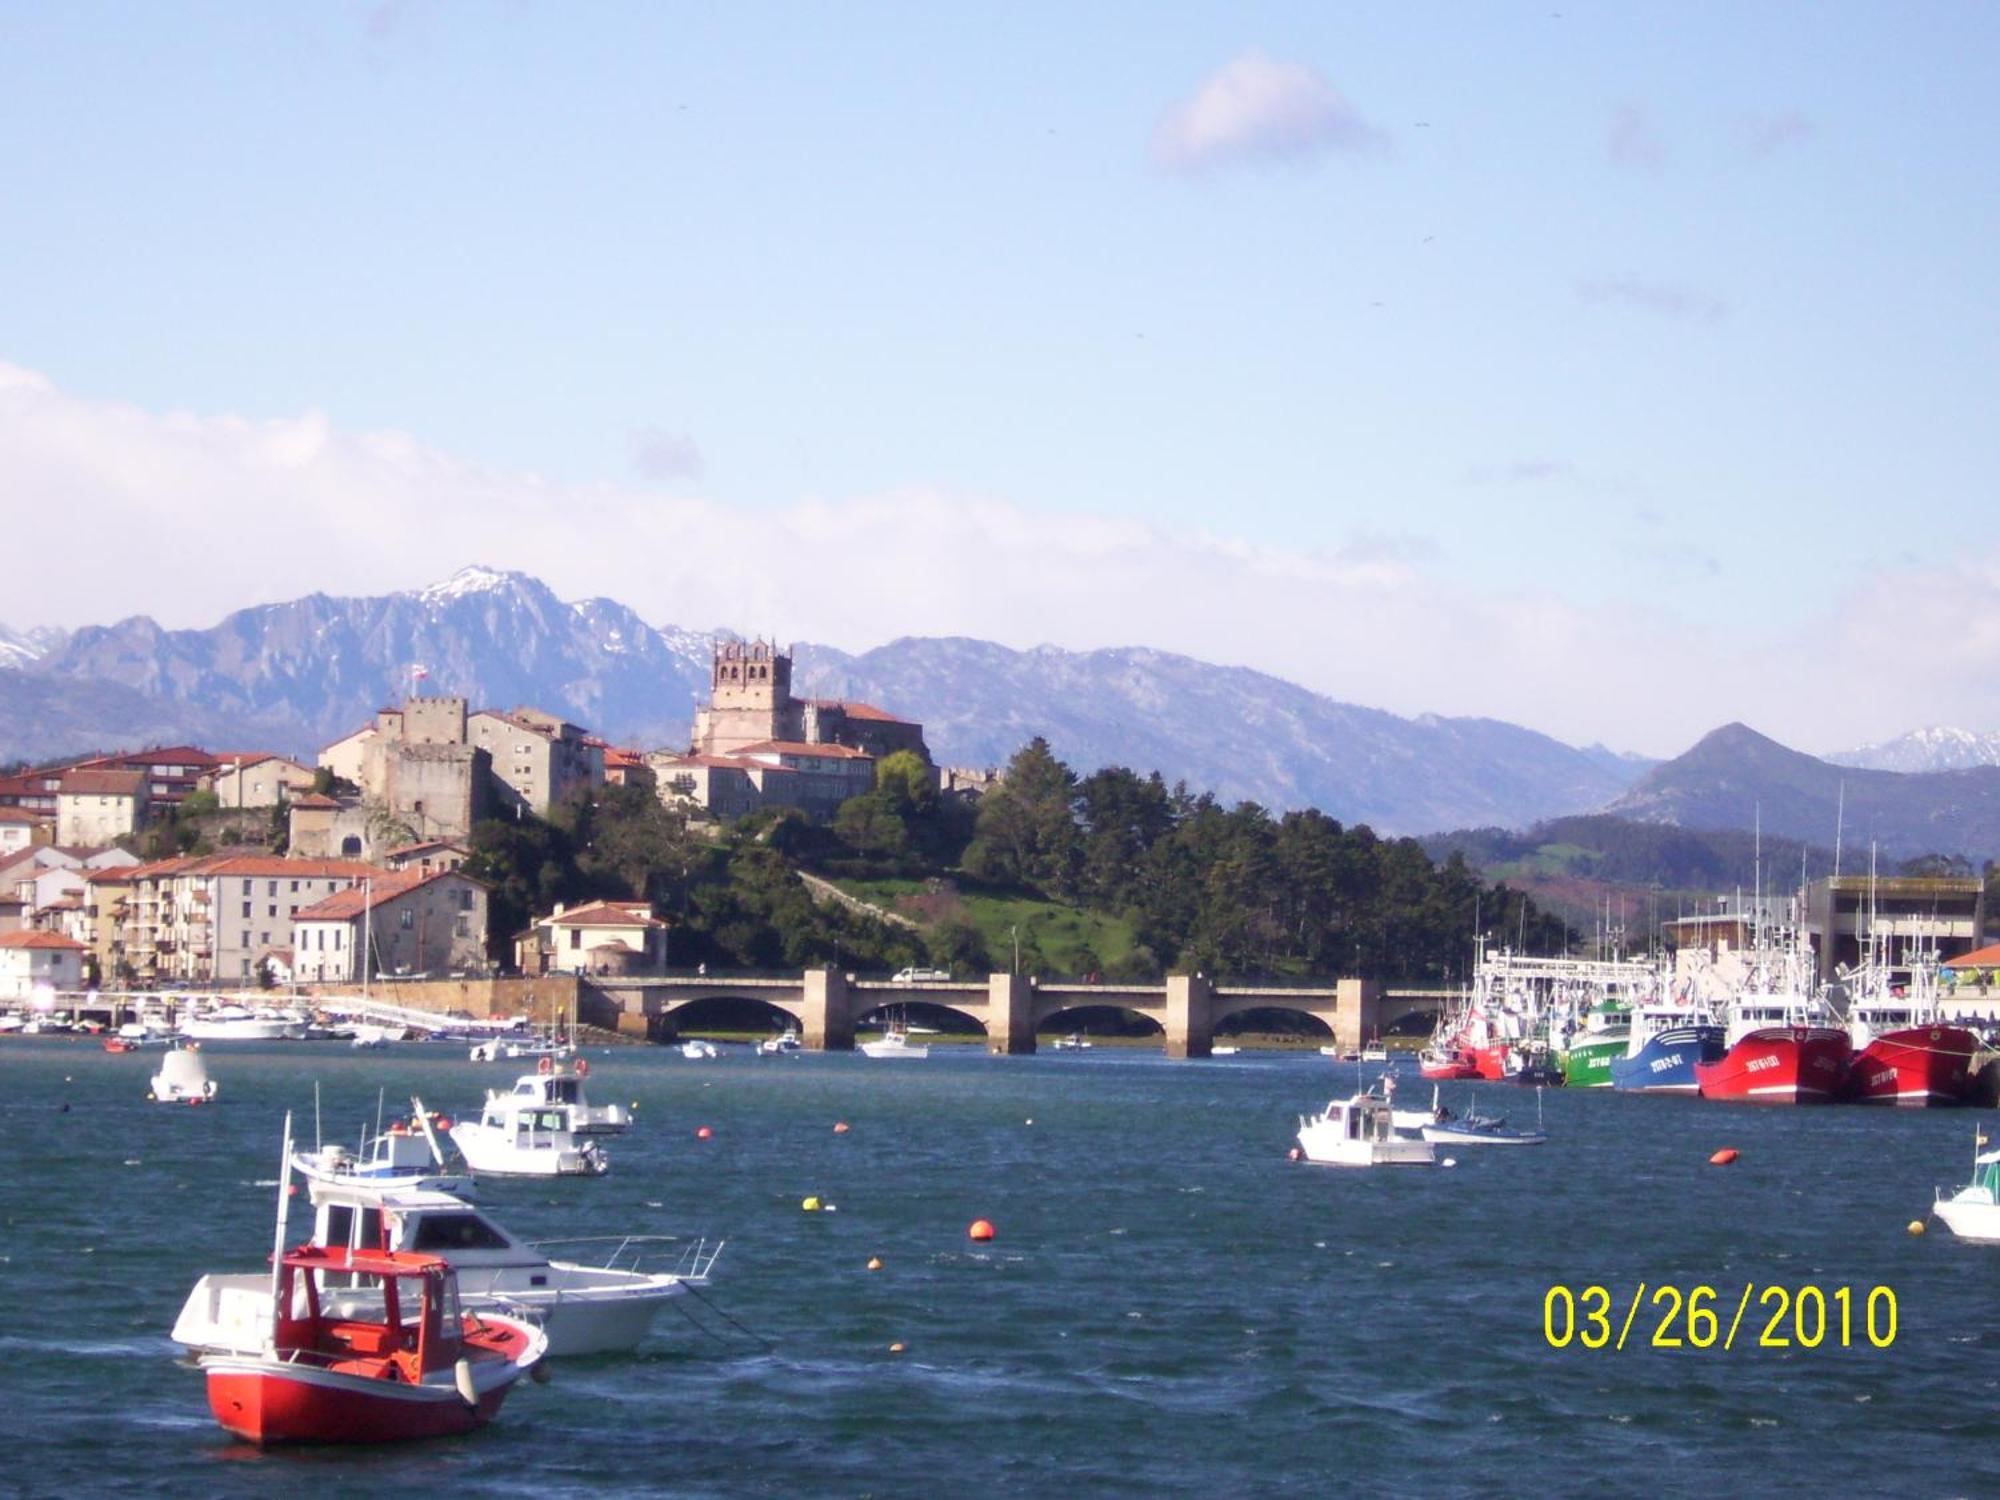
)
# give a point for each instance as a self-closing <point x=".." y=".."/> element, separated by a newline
<point x="1515" y="359"/>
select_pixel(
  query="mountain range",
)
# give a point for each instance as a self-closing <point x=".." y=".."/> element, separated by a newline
<point x="295" y="675"/>
<point x="1736" y="778"/>
<point x="292" y="676"/>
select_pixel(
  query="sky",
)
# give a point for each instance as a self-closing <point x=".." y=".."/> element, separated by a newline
<point x="1618" y="370"/>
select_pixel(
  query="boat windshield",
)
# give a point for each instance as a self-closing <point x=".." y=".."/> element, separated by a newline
<point x="440" y="1234"/>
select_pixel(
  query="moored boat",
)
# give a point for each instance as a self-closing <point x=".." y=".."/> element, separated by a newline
<point x="1445" y="1063"/>
<point x="403" y="1156"/>
<point x="1667" y="1043"/>
<point x="1973" y="1212"/>
<point x="182" y="1079"/>
<point x="1360" y="1132"/>
<point x="1782" y="1064"/>
<point x="561" y="1083"/>
<point x="1905" y="1052"/>
<point x="516" y="1138"/>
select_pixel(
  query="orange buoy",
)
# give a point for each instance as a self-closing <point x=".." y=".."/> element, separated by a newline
<point x="840" y="1127"/>
<point x="703" y="1134"/>
<point x="1723" y="1157"/>
<point x="874" y="1262"/>
<point x="981" y="1229"/>
<point x="895" y="1348"/>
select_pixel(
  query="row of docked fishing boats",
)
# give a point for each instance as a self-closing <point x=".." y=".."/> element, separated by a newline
<point x="410" y="1312"/>
<point x="1753" y="1027"/>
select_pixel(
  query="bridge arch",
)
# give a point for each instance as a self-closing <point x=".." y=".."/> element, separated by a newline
<point x="727" y="1010"/>
<point x="931" y="1013"/>
<point x="1101" y="1018"/>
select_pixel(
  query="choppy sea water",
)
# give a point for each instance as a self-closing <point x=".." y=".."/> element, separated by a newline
<point x="1170" y="1307"/>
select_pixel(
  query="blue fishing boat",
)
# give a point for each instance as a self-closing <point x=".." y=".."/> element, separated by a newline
<point x="1666" y="1044"/>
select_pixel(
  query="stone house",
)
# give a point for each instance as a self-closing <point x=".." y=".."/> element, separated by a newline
<point x="407" y="923"/>
<point x="429" y="856"/>
<point x="96" y="807"/>
<point x="537" y="758"/>
<point x="257" y="779"/>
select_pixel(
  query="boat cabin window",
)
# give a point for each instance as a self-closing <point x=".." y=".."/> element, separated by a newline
<point x="440" y="1234"/>
<point x="338" y="1227"/>
<point x="562" y="1091"/>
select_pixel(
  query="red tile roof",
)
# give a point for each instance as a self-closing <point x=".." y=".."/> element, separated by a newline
<point x="48" y="940"/>
<point x="605" y="914"/>
<point x="423" y="844"/>
<point x="277" y="866"/>
<point x="98" y="783"/>
<point x="721" y="762"/>
<point x="855" y="710"/>
<point x="315" y="799"/>
<point x="20" y="815"/>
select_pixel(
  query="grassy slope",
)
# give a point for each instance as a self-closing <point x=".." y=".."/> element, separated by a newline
<point x="1062" y="933"/>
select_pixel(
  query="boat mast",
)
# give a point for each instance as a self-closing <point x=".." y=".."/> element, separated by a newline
<point x="278" y="1235"/>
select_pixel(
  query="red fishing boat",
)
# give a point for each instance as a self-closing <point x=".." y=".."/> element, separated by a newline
<point x="369" y="1347"/>
<point x="365" y="1346"/>
<point x="1905" y="1053"/>
<point x="1446" y="1063"/>
<point x="1779" y="1065"/>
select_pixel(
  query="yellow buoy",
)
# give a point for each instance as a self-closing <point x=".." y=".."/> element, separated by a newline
<point x="874" y="1262"/>
<point x="1916" y="1226"/>
<point x="810" y="1205"/>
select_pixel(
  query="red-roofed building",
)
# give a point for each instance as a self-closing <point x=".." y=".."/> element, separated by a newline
<point x="598" y="937"/>
<point x="407" y="923"/>
<point x="19" y="827"/>
<point x="32" y="961"/>
<point x="429" y="857"/>
<point x="256" y="778"/>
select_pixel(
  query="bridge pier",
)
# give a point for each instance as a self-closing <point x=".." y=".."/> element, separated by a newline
<point x="1010" y="1015"/>
<point x="828" y="1025"/>
<point x="1357" y="1012"/>
<point x="1190" y="1024"/>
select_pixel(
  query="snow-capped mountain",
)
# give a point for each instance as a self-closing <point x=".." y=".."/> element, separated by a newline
<point x="23" y="648"/>
<point x="1936" y="748"/>
<point x="296" y="675"/>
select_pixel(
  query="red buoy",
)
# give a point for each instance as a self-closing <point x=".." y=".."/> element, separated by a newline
<point x="1723" y="1157"/>
<point x="704" y="1134"/>
<point x="840" y="1127"/>
<point x="982" y="1229"/>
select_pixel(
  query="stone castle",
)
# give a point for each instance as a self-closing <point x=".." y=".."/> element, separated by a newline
<point x="751" y="704"/>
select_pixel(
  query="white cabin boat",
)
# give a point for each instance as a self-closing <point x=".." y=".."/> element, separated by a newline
<point x="773" y="1046"/>
<point x="895" y="1042"/>
<point x="1360" y="1132"/>
<point x="1374" y="1052"/>
<point x="403" y="1156"/>
<point x="1973" y="1212"/>
<point x="699" y="1049"/>
<point x="1076" y="1041"/>
<point x="601" y="1308"/>
<point x="236" y="1023"/>
<point x="182" y="1079"/>
<point x="563" y="1084"/>
<point x="518" y="1138"/>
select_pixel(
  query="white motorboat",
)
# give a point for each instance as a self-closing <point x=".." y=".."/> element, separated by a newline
<point x="1360" y="1132"/>
<point x="519" y="1138"/>
<point x="583" y="1308"/>
<point x="182" y="1079"/>
<point x="517" y="1047"/>
<point x="403" y="1156"/>
<point x="563" y="1084"/>
<point x="895" y="1042"/>
<point x="236" y="1023"/>
<point x="1413" y="1119"/>
<point x="1224" y="1051"/>
<point x="369" y="1034"/>
<point x="699" y="1049"/>
<point x="773" y="1046"/>
<point x="1076" y="1041"/>
<point x="1374" y="1052"/>
<point x="1973" y="1212"/>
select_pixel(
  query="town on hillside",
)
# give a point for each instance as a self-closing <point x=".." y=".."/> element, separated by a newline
<point x="350" y="867"/>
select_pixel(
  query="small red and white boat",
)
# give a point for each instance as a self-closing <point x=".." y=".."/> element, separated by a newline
<point x="1445" y="1063"/>
<point x="366" y="1346"/>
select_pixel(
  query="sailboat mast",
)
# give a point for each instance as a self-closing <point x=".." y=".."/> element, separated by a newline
<point x="278" y="1234"/>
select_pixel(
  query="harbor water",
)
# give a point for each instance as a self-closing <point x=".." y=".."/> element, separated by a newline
<point x="1169" y="1307"/>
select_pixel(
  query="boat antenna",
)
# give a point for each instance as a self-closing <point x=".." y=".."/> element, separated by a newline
<point x="278" y="1234"/>
<point x="1839" y="824"/>
<point x="378" y="1110"/>
<point x="316" y="1135"/>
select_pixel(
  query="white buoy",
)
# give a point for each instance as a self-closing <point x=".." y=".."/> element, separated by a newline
<point x="1449" y="1161"/>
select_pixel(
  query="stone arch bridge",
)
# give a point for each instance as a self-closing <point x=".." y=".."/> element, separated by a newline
<point x="826" y="1004"/>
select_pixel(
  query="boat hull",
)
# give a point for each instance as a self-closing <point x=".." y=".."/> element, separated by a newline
<point x="1780" y="1065"/>
<point x="1666" y="1063"/>
<point x="1914" y="1066"/>
<point x="1489" y="1063"/>
<point x="268" y="1401"/>
<point x="1587" y="1064"/>
<point x="1448" y="1068"/>
<point x="1971" y="1215"/>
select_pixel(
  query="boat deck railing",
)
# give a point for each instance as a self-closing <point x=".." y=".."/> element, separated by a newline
<point x="642" y="1254"/>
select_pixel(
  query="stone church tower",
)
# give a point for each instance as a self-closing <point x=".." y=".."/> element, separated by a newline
<point x="750" y="699"/>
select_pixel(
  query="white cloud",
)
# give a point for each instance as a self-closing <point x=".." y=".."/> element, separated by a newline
<point x="1632" y="142"/>
<point x="1258" y="108"/>
<point x="185" y="517"/>
<point x="1662" y="297"/>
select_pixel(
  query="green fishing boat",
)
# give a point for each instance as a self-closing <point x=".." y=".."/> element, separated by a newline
<point x="1607" y="1033"/>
